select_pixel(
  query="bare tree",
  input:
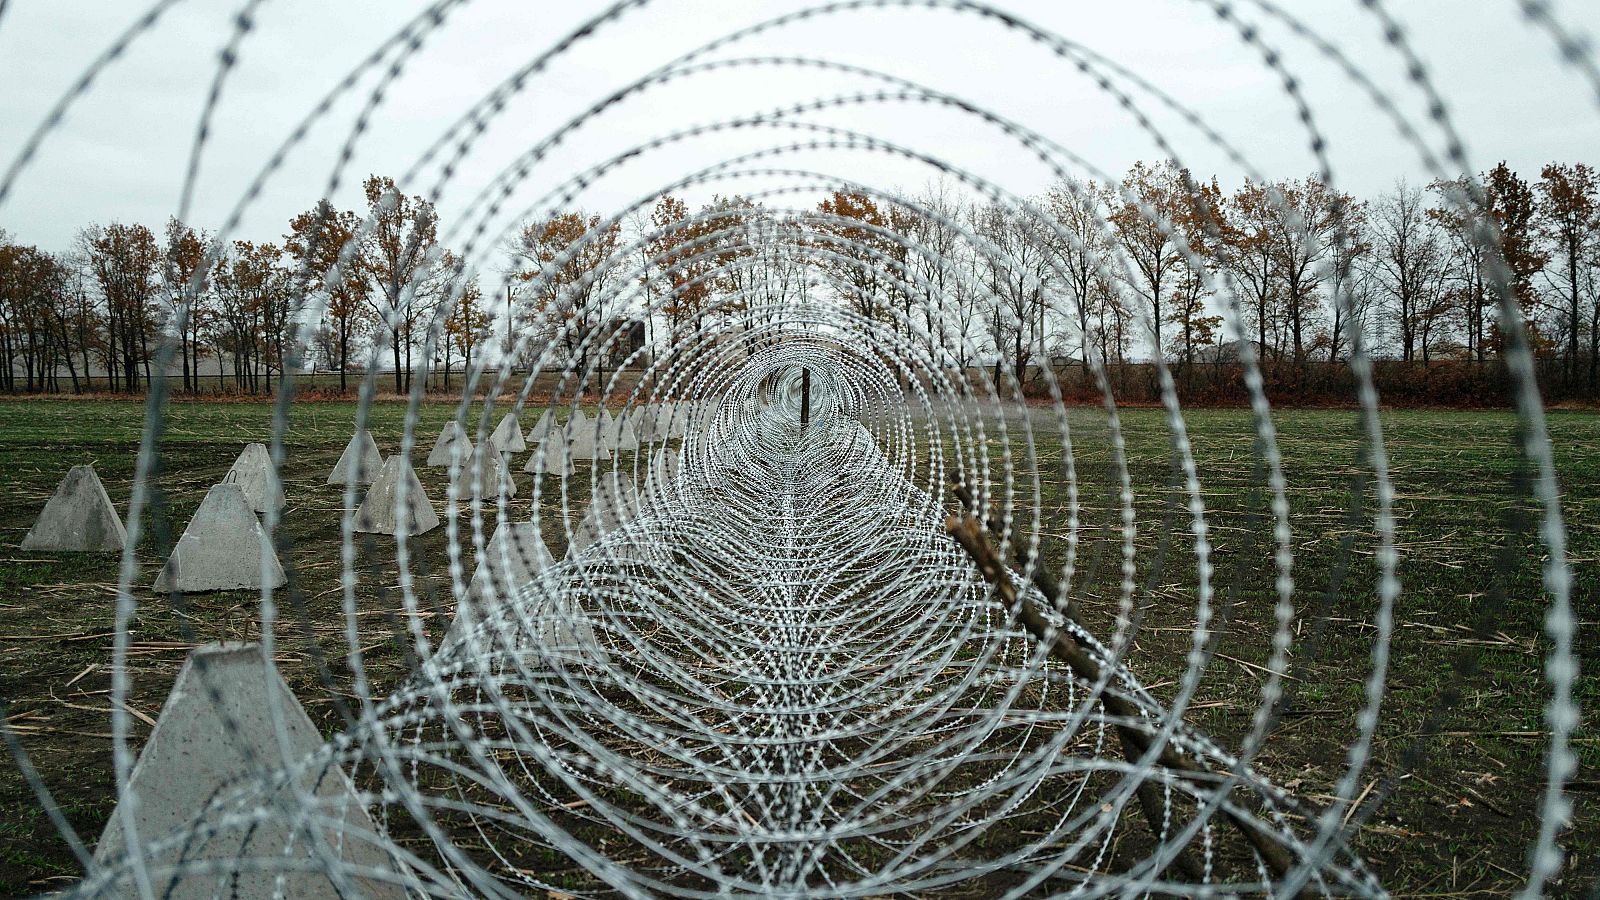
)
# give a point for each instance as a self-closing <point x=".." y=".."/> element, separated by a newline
<point x="1302" y="235"/>
<point x="1249" y="221"/>
<point x="1408" y="257"/>
<point x="1569" y="214"/>
<point x="1350" y="283"/>
<point x="1083" y="256"/>
<point x="936" y="260"/>
<point x="1018" y="273"/>
<point x="780" y="273"/>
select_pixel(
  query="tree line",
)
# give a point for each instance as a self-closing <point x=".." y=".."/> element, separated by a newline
<point x="335" y="282"/>
<point x="1152" y="266"/>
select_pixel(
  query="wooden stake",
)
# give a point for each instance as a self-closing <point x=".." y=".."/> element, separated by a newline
<point x="1065" y="646"/>
<point x="805" y="398"/>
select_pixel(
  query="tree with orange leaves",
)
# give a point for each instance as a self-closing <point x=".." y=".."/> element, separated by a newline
<point x="187" y="311"/>
<point x="860" y="278"/>
<point x="682" y="261"/>
<point x="319" y="242"/>
<point x="466" y="328"/>
<point x="398" y="256"/>
<point x="567" y="262"/>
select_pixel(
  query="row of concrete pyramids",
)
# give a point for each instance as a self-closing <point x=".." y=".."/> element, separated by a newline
<point x="654" y="422"/>
<point x="383" y="510"/>
<point x="216" y="756"/>
<point x="79" y="516"/>
<point x="207" y="757"/>
<point x="214" y="751"/>
<point x="516" y="553"/>
<point x="580" y="438"/>
<point x="224" y="547"/>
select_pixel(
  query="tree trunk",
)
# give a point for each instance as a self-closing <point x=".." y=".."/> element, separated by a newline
<point x="1155" y="336"/>
<point x="1594" y="346"/>
<point x="66" y="356"/>
<point x="1295" y="324"/>
<point x="83" y="325"/>
<point x="7" y="377"/>
<point x="1016" y="361"/>
<point x="394" y="345"/>
<point x="1572" y="332"/>
<point x="144" y="351"/>
<point x="1261" y="327"/>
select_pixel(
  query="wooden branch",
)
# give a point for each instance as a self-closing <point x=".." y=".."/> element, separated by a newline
<point x="1041" y="578"/>
<point x="1063" y="645"/>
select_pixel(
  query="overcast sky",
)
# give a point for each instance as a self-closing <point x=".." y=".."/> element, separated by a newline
<point x="122" y="151"/>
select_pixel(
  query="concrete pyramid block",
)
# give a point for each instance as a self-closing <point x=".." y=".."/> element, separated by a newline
<point x="360" y="461"/>
<point x="507" y="437"/>
<point x="564" y="625"/>
<point x="453" y="444"/>
<point x="663" y="421"/>
<point x="223" y="548"/>
<point x="551" y="457"/>
<point x="605" y="429"/>
<point x="643" y="419"/>
<point x="583" y="443"/>
<point x="672" y="421"/>
<point x="541" y="429"/>
<point x="551" y="623"/>
<point x="511" y="560"/>
<point x="213" y="758"/>
<point x="78" y="517"/>
<point x="255" y="474"/>
<point x="614" y="504"/>
<point x="664" y="467"/>
<point x="623" y="436"/>
<point x="578" y="420"/>
<point x="514" y="556"/>
<point x="490" y="471"/>
<point x="381" y="513"/>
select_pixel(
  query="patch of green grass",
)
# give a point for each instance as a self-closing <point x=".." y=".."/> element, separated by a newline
<point x="1464" y="694"/>
<point x="57" y="610"/>
<point x="1465" y="691"/>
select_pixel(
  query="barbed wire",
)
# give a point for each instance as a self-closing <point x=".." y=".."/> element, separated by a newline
<point x="806" y="638"/>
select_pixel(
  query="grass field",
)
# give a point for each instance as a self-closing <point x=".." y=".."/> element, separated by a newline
<point x="1461" y="719"/>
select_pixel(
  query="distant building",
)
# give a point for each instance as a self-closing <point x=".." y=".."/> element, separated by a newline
<point x="627" y="337"/>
